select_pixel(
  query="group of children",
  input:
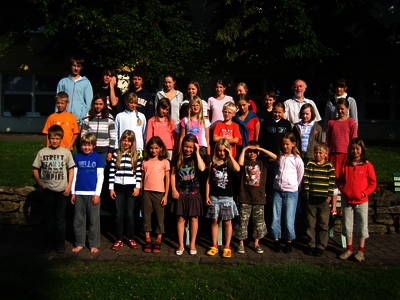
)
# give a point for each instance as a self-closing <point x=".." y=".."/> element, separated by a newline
<point x="228" y="163"/>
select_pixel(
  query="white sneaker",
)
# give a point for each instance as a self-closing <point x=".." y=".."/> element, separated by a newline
<point x="193" y="252"/>
<point x="179" y="252"/>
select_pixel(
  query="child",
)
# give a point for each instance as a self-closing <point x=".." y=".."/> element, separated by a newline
<point x="241" y="89"/>
<point x="193" y="90"/>
<point x="66" y="120"/>
<point x="356" y="182"/>
<point x="215" y="104"/>
<point x="124" y="185"/>
<point x="319" y="184"/>
<point x="101" y="123"/>
<point x="110" y="92"/>
<point x="252" y="194"/>
<point x="197" y="125"/>
<point x="339" y="133"/>
<point x="155" y="190"/>
<point x="161" y="125"/>
<point x="227" y="129"/>
<point x="175" y="97"/>
<point x="268" y="105"/>
<point x="274" y="129"/>
<point x="185" y="187"/>
<point x="308" y="132"/>
<point x="131" y="119"/>
<point x="53" y="172"/>
<point x="286" y="186"/>
<point x="219" y="195"/>
<point x="86" y="189"/>
<point x="248" y="121"/>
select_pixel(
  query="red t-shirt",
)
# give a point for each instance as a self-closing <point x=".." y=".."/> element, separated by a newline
<point x="231" y="130"/>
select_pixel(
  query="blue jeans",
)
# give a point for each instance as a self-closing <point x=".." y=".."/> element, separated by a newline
<point x="284" y="204"/>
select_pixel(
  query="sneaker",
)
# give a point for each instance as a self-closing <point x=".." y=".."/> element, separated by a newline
<point x="258" y="249"/>
<point x="287" y="248"/>
<point x="241" y="250"/>
<point x="157" y="247"/>
<point x="132" y="244"/>
<point x="227" y="253"/>
<point x="360" y="256"/>
<point x="212" y="251"/>
<point x="147" y="247"/>
<point x="318" y="252"/>
<point x="346" y="254"/>
<point x="117" y="245"/>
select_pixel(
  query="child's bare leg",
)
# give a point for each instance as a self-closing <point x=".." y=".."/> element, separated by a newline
<point x="94" y="250"/>
<point x="241" y="243"/>
<point x="159" y="237"/>
<point x="362" y="243"/>
<point x="228" y="233"/>
<point x="214" y="231"/>
<point x="256" y="242"/>
<point x="194" y="227"/>
<point x="181" y="230"/>
<point x="77" y="249"/>
<point x="147" y="235"/>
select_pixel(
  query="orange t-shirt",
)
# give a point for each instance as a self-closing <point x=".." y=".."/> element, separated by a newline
<point x="68" y="123"/>
<point x="154" y="174"/>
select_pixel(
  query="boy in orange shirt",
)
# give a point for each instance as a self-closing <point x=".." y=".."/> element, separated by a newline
<point x="66" y="120"/>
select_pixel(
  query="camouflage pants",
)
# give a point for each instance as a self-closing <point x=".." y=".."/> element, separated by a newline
<point x="256" y="212"/>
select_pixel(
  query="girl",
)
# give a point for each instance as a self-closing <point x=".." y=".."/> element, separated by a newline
<point x="248" y="121"/>
<point x="124" y="186"/>
<point x="242" y="90"/>
<point x="308" y="132"/>
<point x="274" y="129"/>
<point x="197" y="125"/>
<point x="161" y="125"/>
<point x="219" y="195"/>
<point x="193" y="90"/>
<point x="356" y="182"/>
<point x="174" y="96"/>
<point x="100" y="123"/>
<point x="215" y="104"/>
<point x="339" y="133"/>
<point x="268" y="105"/>
<point x="286" y="185"/>
<point x="131" y="119"/>
<point x="185" y="187"/>
<point x="155" y="190"/>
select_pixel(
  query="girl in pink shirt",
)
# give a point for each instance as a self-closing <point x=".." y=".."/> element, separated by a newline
<point x="215" y="104"/>
<point x="155" y="190"/>
<point x="162" y="125"/>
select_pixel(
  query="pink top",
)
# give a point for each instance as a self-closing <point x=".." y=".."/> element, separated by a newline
<point x="162" y="129"/>
<point x="154" y="174"/>
<point x="196" y="128"/>
<point x="290" y="173"/>
<point x="215" y="106"/>
<point x="339" y="134"/>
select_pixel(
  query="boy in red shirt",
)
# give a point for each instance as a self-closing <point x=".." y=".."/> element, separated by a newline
<point x="227" y="129"/>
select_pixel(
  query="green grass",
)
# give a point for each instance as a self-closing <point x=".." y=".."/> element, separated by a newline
<point x="76" y="279"/>
<point x="17" y="158"/>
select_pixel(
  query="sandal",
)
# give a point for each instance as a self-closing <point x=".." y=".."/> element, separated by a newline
<point x="147" y="247"/>
<point x="117" y="245"/>
<point x="132" y="244"/>
<point x="157" y="247"/>
<point x="212" y="251"/>
<point x="227" y="253"/>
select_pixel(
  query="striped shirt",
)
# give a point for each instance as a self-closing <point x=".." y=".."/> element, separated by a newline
<point x="124" y="175"/>
<point x="319" y="180"/>
<point x="305" y="134"/>
<point x="103" y="129"/>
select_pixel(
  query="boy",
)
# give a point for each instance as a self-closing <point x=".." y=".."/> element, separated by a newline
<point x="319" y="184"/>
<point x="66" y="120"/>
<point x="252" y="194"/>
<point x="228" y="129"/>
<point x="53" y="172"/>
<point x="86" y="189"/>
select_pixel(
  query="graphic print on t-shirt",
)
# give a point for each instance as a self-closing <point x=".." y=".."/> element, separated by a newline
<point x="52" y="167"/>
<point x="226" y="132"/>
<point x="253" y="175"/>
<point x="221" y="177"/>
<point x="195" y="130"/>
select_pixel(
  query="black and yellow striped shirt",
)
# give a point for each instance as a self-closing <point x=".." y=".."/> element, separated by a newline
<point x="319" y="180"/>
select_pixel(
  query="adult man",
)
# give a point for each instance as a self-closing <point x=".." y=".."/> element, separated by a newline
<point x="78" y="88"/>
<point x="293" y="105"/>
<point x="145" y="98"/>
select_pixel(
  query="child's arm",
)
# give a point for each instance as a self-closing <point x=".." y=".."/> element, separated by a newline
<point x="99" y="185"/>
<point x="371" y="176"/>
<point x="208" y="140"/>
<point x="74" y="137"/>
<point x="36" y="175"/>
<point x="113" y="97"/>
<point x="175" y="193"/>
<point x="139" y="173"/>
<point x="70" y="177"/>
<point x="268" y="153"/>
<point x="235" y="165"/>
<point x="257" y="130"/>
<point x="73" y="195"/>
<point x="111" y="176"/>
<point x="241" y="156"/>
<point x="112" y="135"/>
<point x="200" y="162"/>
<point x="166" y="181"/>
<point x="182" y="134"/>
<point x="208" y="200"/>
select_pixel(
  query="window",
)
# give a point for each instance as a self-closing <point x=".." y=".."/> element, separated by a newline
<point x="27" y="95"/>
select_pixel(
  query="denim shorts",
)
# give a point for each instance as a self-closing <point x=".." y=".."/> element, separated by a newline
<point x="223" y="208"/>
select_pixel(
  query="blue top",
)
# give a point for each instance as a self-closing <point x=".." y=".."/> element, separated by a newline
<point x="89" y="167"/>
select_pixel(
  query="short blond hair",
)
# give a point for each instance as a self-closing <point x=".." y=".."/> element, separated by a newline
<point x="231" y="106"/>
<point x="89" y="138"/>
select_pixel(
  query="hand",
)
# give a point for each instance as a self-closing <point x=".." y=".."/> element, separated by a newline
<point x="42" y="185"/>
<point x="333" y="210"/>
<point x="175" y="194"/>
<point x="164" y="201"/>
<point x="73" y="199"/>
<point x="228" y="152"/>
<point x="95" y="199"/>
<point x="113" y="81"/>
<point x="208" y="201"/>
<point x="136" y="192"/>
<point x="109" y="156"/>
<point x="363" y="194"/>
<point x="67" y="191"/>
<point x="113" y="195"/>
<point x="197" y="147"/>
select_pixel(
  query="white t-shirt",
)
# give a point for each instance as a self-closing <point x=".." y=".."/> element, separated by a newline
<point x="215" y="106"/>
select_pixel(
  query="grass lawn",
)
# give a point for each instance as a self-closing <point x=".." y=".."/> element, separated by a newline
<point x="17" y="156"/>
<point x="41" y="279"/>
